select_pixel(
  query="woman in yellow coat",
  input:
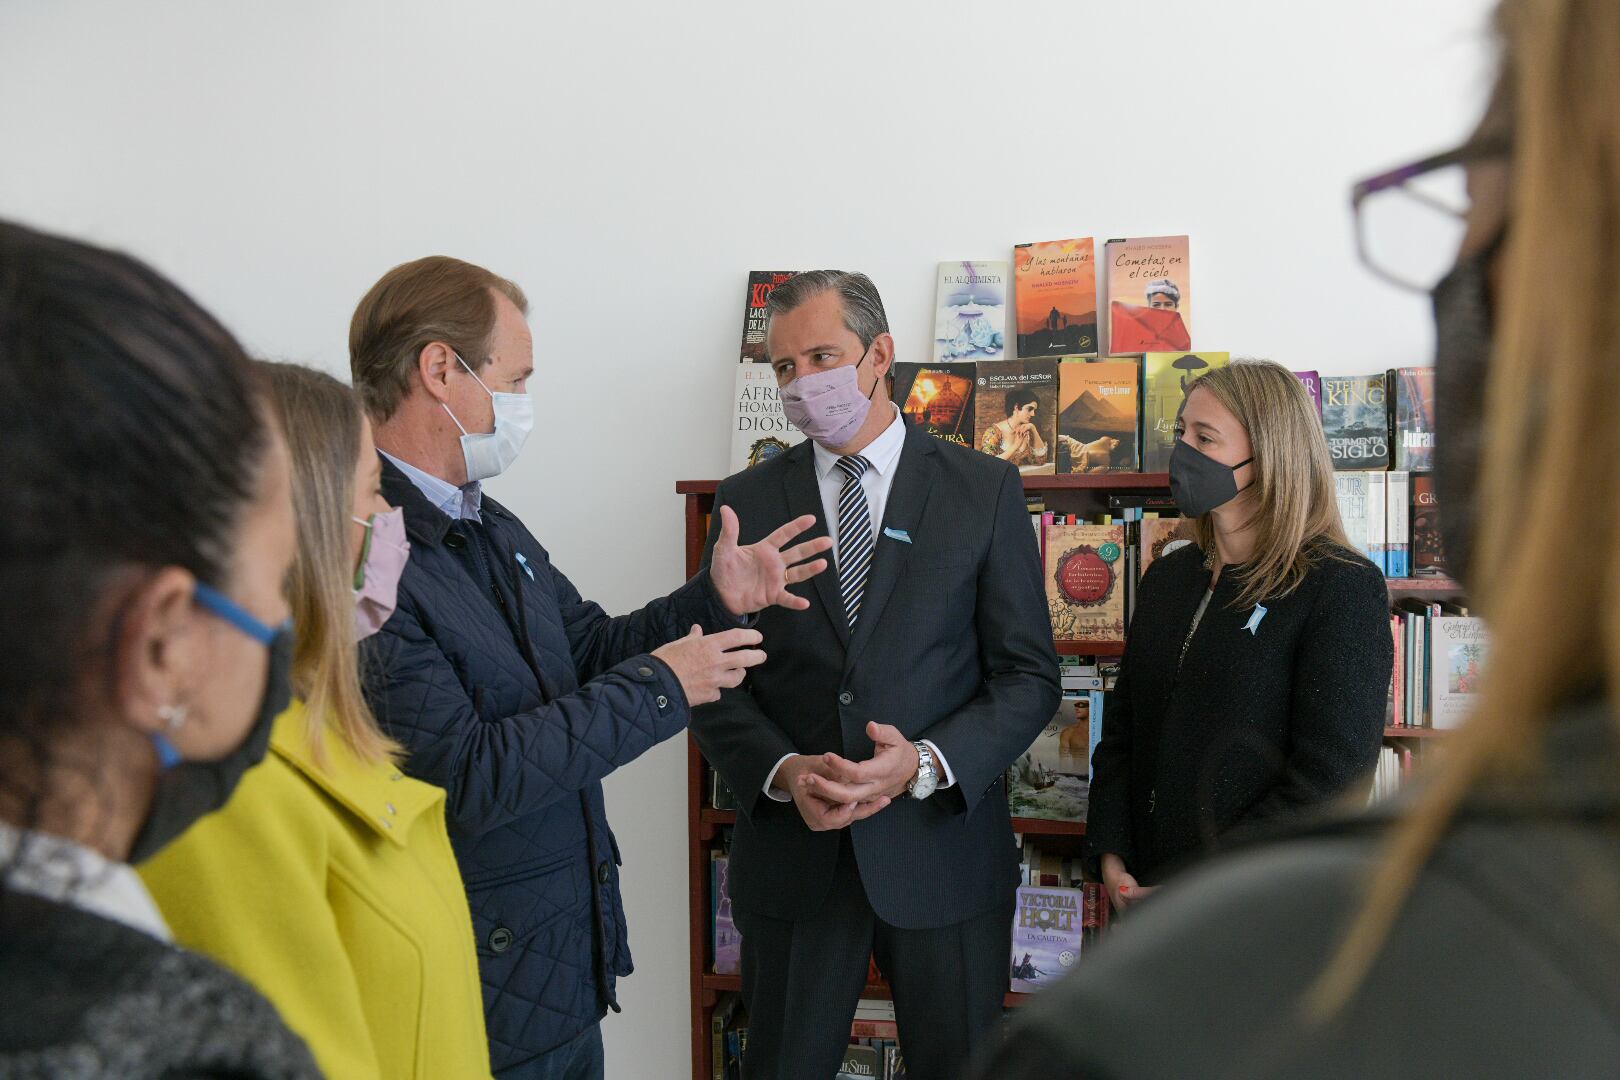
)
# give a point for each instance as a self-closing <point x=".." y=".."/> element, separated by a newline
<point x="328" y="881"/>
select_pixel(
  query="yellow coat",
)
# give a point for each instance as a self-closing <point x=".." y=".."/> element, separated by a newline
<point x="335" y="892"/>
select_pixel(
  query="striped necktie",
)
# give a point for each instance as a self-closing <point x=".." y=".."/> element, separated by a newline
<point x="854" y="536"/>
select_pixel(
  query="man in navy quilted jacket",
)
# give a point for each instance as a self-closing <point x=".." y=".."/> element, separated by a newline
<point x="504" y="685"/>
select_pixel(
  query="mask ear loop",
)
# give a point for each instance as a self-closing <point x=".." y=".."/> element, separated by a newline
<point x="173" y="716"/>
<point x="481" y="386"/>
<point x="365" y="551"/>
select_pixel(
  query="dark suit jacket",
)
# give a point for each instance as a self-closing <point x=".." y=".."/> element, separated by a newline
<point x="953" y="645"/>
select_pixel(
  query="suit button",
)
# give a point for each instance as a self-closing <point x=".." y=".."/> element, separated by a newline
<point x="455" y="541"/>
<point x="846" y="698"/>
<point x="500" y="939"/>
<point x="645" y="672"/>
<point x="603" y="872"/>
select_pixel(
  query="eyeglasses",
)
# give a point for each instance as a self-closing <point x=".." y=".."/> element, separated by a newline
<point x="1410" y="221"/>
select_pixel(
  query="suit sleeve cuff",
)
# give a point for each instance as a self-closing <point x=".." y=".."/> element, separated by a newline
<point x="770" y="778"/>
<point x="948" y="778"/>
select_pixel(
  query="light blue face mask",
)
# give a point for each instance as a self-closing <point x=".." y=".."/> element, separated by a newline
<point x="490" y="453"/>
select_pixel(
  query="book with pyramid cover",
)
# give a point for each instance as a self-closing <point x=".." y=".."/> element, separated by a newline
<point x="1098" y="416"/>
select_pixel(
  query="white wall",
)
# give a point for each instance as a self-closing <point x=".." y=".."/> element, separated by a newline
<point x="627" y="163"/>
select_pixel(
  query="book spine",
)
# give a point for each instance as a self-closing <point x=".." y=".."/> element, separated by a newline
<point x="1377" y="537"/>
<point x="1398" y="553"/>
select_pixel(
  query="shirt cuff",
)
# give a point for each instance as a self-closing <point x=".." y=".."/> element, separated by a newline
<point x="770" y="778"/>
<point x="944" y="766"/>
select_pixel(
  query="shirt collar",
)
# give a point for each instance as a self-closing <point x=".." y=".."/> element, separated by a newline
<point x="881" y="453"/>
<point x="60" y="870"/>
<point x="463" y="502"/>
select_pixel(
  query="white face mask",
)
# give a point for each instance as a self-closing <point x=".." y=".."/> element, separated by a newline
<point x="489" y="453"/>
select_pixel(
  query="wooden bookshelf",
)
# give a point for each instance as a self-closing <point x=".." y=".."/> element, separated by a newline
<point x="1084" y="493"/>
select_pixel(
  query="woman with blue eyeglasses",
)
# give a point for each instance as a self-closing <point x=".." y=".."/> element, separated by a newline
<point x="144" y="654"/>
<point x="329" y="882"/>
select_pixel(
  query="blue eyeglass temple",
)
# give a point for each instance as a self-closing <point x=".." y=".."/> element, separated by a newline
<point x="233" y="613"/>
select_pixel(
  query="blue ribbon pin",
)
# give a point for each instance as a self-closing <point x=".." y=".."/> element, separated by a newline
<point x="525" y="564"/>
<point x="1253" y="625"/>
<point x="898" y="534"/>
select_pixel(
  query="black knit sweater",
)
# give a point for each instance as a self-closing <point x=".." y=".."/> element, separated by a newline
<point x="1252" y="725"/>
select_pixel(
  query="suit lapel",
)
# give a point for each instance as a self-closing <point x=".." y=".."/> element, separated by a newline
<point x="913" y="480"/>
<point x="804" y="497"/>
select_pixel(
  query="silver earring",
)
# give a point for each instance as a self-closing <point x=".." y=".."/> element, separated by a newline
<point x="173" y="716"/>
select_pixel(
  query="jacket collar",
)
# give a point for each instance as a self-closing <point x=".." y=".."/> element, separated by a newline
<point x="424" y="522"/>
<point x="380" y="796"/>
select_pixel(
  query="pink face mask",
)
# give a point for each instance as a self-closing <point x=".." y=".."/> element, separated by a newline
<point x="382" y="562"/>
<point x="828" y="406"/>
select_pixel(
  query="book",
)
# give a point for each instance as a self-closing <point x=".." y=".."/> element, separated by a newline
<point x="1149" y="295"/>
<point x="937" y="398"/>
<point x="1163" y="535"/>
<point x="760" y="284"/>
<point x="1428" y="557"/>
<point x="1047" y="930"/>
<point x="1312" y="381"/>
<point x="1094" y="911"/>
<point x="1352" y="491"/>
<point x="1055" y="286"/>
<point x="860" y="1063"/>
<point x="1377" y="526"/>
<point x="1084" y="594"/>
<point x="1097" y="416"/>
<point x="1412" y="428"/>
<point x="1099" y="709"/>
<point x="726" y="937"/>
<point x="720" y="796"/>
<point x="894" y="1064"/>
<point x="1015" y="408"/>
<point x="1355" y="418"/>
<point x="1165" y="378"/>
<point x="1398" y="524"/>
<point x="759" y="428"/>
<point x="970" y="312"/>
<point x="1049" y="781"/>
<point x="1457" y="646"/>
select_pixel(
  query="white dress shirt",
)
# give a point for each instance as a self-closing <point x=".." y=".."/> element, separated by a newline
<point x="56" y="869"/>
<point x="460" y="503"/>
<point x="883" y="459"/>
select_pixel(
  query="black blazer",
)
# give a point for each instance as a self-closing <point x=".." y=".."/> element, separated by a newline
<point x="953" y="644"/>
<point x="1251" y="726"/>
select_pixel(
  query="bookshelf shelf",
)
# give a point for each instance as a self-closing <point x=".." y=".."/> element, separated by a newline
<point x="719" y="984"/>
<point x="1415" y="732"/>
<point x="1423" y="584"/>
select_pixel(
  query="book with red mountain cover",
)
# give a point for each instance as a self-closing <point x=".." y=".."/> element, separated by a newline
<point x="760" y="284"/>
<point x="1047" y="929"/>
<point x="1412" y="446"/>
<point x="1149" y="295"/>
<point x="937" y="398"/>
<point x="1016" y="411"/>
<point x="1056" y="294"/>
<point x="1428" y="557"/>
<point x="1097" y="416"/>
<point x="970" y="312"/>
<point x="1085" y="595"/>
<point x="1165" y="378"/>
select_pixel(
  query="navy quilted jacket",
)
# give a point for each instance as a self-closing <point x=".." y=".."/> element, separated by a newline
<point x="517" y="696"/>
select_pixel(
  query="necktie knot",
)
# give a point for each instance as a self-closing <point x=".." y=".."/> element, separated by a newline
<point x="854" y="466"/>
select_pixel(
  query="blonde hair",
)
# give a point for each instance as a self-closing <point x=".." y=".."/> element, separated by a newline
<point x="1296" y="512"/>
<point x="1549" y="437"/>
<point x="322" y="420"/>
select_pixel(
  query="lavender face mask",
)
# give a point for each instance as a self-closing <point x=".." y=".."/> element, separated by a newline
<point x="828" y="406"/>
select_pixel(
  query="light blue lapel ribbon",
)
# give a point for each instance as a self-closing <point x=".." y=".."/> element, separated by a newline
<point x="1253" y="625"/>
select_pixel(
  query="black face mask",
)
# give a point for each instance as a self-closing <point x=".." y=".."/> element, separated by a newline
<point x="1198" y="482"/>
<point x="191" y="790"/>
<point x="1463" y="319"/>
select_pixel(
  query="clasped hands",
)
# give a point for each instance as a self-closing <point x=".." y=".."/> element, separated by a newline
<point x="833" y="792"/>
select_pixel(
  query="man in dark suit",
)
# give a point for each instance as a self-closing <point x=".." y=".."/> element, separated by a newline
<point x="867" y="752"/>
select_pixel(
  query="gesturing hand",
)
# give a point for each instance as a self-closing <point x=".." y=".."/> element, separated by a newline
<point x="1121" y="887"/>
<point x="888" y="771"/>
<point x="706" y="664"/>
<point x="752" y="578"/>
<point x="824" y="803"/>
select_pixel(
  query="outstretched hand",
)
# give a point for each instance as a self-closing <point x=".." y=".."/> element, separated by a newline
<point x="749" y="579"/>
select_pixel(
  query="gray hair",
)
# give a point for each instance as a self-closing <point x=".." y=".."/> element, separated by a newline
<point x="863" y="307"/>
<point x="1166" y="286"/>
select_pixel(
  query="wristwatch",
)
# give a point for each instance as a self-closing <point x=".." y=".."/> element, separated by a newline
<point x="927" y="779"/>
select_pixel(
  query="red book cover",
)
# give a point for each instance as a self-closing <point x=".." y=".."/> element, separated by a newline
<point x="760" y="284"/>
<point x="1139" y="329"/>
